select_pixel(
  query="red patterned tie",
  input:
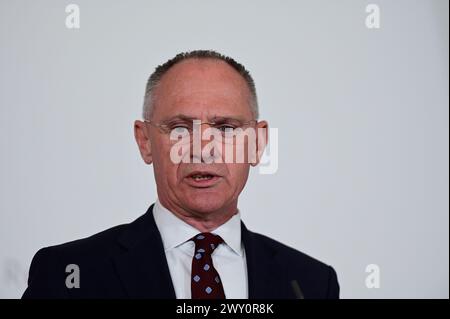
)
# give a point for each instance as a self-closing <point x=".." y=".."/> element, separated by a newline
<point x="205" y="280"/>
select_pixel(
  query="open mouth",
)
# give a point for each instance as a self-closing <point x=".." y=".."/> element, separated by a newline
<point x="202" y="179"/>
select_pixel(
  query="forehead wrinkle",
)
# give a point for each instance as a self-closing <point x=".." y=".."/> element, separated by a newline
<point x="209" y="118"/>
<point x="205" y="98"/>
<point x="205" y="105"/>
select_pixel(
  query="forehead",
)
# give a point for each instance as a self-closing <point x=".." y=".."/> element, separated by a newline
<point x="202" y="88"/>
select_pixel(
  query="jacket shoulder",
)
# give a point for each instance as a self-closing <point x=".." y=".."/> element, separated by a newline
<point x="49" y="266"/>
<point x="315" y="278"/>
<point x="97" y="245"/>
<point x="288" y="252"/>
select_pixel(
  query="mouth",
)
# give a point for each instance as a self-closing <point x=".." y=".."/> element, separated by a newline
<point x="202" y="179"/>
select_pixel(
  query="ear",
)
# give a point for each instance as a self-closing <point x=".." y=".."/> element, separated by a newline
<point x="262" y="136"/>
<point x="141" y="135"/>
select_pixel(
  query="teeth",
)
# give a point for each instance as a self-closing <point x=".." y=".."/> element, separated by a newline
<point x="201" y="177"/>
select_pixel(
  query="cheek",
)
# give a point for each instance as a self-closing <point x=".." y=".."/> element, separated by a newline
<point x="238" y="174"/>
<point x="165" y="170"/>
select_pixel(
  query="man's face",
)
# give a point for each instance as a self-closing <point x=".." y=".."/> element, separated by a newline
<point x="204" y="90"/>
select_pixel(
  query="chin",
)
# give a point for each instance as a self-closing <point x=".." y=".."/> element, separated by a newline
<point x="205" y="202"/>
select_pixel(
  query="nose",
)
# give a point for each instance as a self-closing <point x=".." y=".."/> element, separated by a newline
<point x="205" y="147"/>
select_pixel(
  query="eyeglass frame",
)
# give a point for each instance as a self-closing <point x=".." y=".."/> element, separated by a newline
<point x="166" y="130"/>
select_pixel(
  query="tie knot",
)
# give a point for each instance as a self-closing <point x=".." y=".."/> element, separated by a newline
<point x="206" y="242"/>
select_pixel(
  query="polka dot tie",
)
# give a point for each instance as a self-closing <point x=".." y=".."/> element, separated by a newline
<point x="205" y="280"/>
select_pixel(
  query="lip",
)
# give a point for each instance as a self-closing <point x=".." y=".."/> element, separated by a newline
<point x="202" y="183"/>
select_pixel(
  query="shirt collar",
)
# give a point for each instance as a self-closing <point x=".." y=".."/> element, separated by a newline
<point x="174" y="231"/>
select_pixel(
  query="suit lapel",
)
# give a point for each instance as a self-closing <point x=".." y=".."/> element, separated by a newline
<point x="142" y="267"/>
<point x="143" y="270"/>
<point x="266" y="277"/>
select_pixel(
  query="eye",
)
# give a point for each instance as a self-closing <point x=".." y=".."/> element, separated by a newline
<point x="180" y="129"/>
<point x="226" y="128"/>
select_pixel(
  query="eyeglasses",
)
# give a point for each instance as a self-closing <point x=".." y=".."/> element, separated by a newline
<point x="228" y="130"/>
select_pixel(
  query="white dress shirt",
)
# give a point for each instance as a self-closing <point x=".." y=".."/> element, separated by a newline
<point x="228" y="259"/>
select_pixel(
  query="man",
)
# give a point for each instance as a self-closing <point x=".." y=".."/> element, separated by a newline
<point x="191" y="243"/>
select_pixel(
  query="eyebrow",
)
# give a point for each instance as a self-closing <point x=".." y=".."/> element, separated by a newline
<point x="215" y="118"/>
<point x="182" y="117"/>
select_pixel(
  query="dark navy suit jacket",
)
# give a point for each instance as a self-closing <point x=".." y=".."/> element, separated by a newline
<point x="128" y="261"/>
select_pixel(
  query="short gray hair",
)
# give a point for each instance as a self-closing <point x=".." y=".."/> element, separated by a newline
<point x="159" y="72"/>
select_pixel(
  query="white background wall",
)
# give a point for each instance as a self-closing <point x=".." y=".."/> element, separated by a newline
<point x="362" y="117"/>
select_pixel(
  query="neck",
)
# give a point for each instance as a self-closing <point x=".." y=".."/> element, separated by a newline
<point x="202" y="221"/>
